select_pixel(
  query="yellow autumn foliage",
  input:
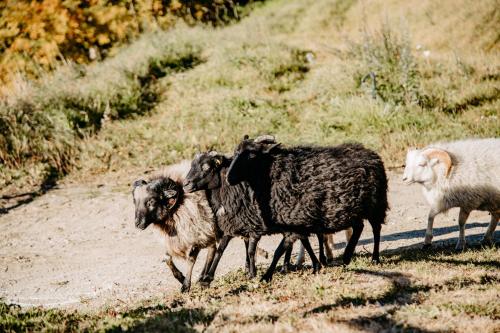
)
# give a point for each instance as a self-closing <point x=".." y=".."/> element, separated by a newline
<point x="36" y="35"/>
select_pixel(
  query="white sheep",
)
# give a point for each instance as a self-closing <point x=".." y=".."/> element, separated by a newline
<point x="463" y="174"/>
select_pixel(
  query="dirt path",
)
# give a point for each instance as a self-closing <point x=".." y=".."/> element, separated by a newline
<point x="78" y="247"/>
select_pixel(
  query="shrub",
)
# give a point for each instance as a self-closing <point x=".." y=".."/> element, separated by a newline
<point x="387" y="67"/>
<point x="44" y="122"/>
<point x="36" y="36"/>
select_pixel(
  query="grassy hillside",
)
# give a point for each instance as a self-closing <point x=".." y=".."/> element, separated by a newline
<point x="439" y="291"/>
<point x="298" y="69"/>
<point x="303" y="70"/>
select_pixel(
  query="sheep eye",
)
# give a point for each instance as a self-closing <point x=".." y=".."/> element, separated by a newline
<point x="151" y="204"/>
<point x="252" y="155"/>
<point x="422" y="164"/>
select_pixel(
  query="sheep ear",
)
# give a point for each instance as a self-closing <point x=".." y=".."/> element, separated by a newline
<point x="433" y="162"/>
<point x="138" y="182"/>
<point x="245" y="137"/>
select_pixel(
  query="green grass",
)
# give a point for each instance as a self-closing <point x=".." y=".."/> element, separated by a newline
<point x="412" y="290"/>
<point x="291" y="68"/>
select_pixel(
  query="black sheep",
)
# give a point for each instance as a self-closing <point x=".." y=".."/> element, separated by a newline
<point x="314" y="189"/>
<point x="235" y="209"/>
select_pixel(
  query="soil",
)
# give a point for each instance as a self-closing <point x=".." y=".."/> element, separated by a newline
<point x="76" y="246"/>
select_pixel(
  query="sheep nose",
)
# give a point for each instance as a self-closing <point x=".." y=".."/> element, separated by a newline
<point x="405" y="178"/>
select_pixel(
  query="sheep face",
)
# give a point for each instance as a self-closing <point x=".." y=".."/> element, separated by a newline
<point x="247" y="155"/>
<point x="419" y="168"/>
<point x="204" y="173"/>
<point x="154" y="201"/>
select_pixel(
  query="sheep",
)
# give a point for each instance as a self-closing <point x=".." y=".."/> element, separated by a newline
<point x="235" y="208"/>
<point x="185" y="220"/>
<point x="314" y="189"/>
<point x="464" y="174"/>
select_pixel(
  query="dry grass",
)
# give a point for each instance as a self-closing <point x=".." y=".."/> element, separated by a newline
<point x="436" y="291"/>
<point x="292" y="68"/>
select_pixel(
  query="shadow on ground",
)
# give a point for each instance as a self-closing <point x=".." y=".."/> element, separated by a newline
<point x="10" y="202"/>
<point x="168" y="320"/>
<point x="420" y="234"/>
<point x="401" y="292"/>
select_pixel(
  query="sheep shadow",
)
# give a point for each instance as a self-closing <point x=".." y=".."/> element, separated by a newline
<point x="421" y="234"/>
<point x="401" y="292"/>
<point x="412" y="253"/>
<point x="167" y="320"/>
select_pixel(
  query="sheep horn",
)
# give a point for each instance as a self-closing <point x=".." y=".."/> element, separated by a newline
<point x="265" y="139"/>
<point x="442" y="156"/>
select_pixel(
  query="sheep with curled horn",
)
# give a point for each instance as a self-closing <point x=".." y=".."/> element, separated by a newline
<point x="325" y="241"/>
<point x="184" y="220"/>
<point x="464" y="174"/>
<point x="235" y="208"/>
<point x="308" y="189"/>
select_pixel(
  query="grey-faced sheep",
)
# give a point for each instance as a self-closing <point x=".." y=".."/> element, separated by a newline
<point x="235" y="207"/>
<point x="463" y="174"/>
<point x="185" y="220"/>
<point x="314" y="189"/>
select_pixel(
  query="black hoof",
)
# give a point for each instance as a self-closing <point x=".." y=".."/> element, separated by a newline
<point x="316" y="269"/>
<point x="426" y="246"/>
<point x="376" y="261"/>
<point x="185" y="289"/>
<point x="487" y="243"/>
<point x="286" y="269"/>
<point x="204" y="283"/>
<point x="266" y="278"/>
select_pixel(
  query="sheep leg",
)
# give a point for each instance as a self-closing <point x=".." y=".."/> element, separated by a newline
<point x="285" y="244"/>
<point x="428" y="232"/>
<point x="315" y="262"/>
<point x="328" y="238"/>
<point x="208" y="262"/>
<point x="252" y="248"/>
<point x="247" y="258"/>
<point x="357" y="228"/>
<point x="488" y="236"/>
<point x="193" y="254"/>
<point x="176" y="272"/>
<point x="218" y="254"/>
<point x="321" y="243"/>
<point x="376" y="227"/>
<point x="300" y="257"/>
<point x="462" y="218"/>
<point x="286" y="262"/>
